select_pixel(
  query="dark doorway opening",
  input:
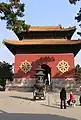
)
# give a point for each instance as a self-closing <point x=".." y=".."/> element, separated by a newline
<point x="47" y="73"/>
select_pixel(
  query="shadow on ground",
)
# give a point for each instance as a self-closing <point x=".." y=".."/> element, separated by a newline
<point x="20" y="116"/>
<point x="52" y="106"/>
<point x="24" y="98"/>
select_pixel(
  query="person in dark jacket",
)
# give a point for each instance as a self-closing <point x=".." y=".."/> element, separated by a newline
<point x="80" y="95"/>
<point x="63" y="98"/>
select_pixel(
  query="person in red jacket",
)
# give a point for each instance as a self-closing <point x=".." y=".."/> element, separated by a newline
<point x="72" y="99"/>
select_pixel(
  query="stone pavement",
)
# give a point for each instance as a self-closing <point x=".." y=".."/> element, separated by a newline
<point x="20" y="106"/>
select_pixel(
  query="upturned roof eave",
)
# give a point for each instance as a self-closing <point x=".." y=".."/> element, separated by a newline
<point x="48" y="28"/>
<point x="37" y="29"/>
<point x="73" y="47"/>
<point x="41" y="42"/>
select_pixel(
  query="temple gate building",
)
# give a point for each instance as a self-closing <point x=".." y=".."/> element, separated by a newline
<point x="50" y="47"/>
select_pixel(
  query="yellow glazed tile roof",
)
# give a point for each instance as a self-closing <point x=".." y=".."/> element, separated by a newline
<point x="50" y="28"/>
<point x="42" y="42"/>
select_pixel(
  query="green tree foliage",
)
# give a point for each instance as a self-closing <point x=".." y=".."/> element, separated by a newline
<point x="11" y="12"/>
<point x="78" y="17"/>
<point x="73" y="1"/>
<point x="78" y="73"/>
<point x="5" y="73"/>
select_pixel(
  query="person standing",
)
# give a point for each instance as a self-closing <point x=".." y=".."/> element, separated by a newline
<point x="63" y="98"/>
<point x="72" y="97"/>
<point x="80" y="96"/>
<point x="80" y="100"/>
<point x="72" y="100"/>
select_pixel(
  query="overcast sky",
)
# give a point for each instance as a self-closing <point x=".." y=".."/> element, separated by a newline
<point x="42" y="12"/>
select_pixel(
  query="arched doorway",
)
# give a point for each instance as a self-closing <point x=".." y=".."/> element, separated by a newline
<point x="47" y="73"/>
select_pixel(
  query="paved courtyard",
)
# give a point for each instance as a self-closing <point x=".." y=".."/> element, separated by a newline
<point x="20" y="106"/>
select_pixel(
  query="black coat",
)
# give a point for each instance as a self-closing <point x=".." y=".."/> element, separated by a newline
<point x="63" y="94"/>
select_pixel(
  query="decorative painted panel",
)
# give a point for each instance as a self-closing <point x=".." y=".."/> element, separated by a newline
<point x="62" y="65"/>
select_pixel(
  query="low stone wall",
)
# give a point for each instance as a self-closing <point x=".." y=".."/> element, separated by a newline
<point x="57" y="84"/>
<point x="20" y="89"/>
<point x="24" y="85"/>
<point x="21" y="84"/>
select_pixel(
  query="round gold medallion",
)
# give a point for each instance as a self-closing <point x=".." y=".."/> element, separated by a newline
<point x="25" y="66"/>
<point x="63" y="66"/>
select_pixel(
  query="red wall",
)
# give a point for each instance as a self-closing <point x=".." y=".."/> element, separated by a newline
<point x="50" y="59"/>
